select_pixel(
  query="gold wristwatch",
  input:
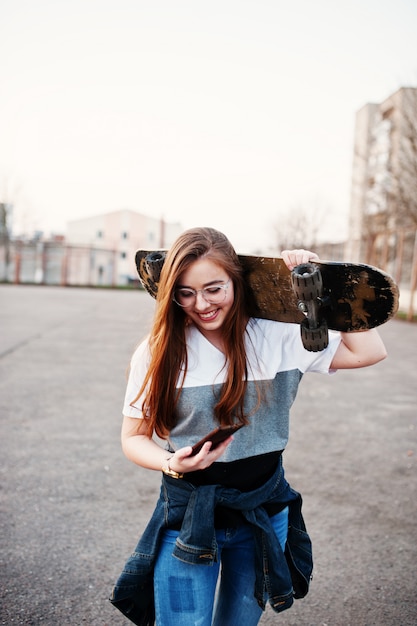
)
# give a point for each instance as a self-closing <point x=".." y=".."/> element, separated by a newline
<point x="169" y="472"/>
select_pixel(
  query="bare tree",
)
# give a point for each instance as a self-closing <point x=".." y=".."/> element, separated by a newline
<point x="403" y="194"/>
<point x="5" y="211"/>
<point x="8" y="196"/>
<point x="299" y="228"/>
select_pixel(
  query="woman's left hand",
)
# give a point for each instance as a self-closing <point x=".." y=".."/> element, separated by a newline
<point x="183" y="462"/>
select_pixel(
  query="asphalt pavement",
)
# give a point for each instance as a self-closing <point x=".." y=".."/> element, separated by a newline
<point x="72" y="507"/>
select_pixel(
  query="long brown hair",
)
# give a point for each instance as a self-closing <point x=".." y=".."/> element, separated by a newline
<point x="162" y="384"/>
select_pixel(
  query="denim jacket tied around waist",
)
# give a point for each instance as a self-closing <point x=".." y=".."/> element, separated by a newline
<point x="280" y="575"/>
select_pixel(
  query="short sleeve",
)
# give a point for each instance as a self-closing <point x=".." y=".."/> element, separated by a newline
<point x="307" y="361"/>
<point x="132" y="407"/>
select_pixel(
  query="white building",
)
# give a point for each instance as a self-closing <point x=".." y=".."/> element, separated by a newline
<point x="112" y="240"/>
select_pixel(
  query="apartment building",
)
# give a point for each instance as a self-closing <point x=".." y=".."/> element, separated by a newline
<point x="384" y="174"/>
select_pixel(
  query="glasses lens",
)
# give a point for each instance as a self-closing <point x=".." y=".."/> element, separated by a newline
<point x="184" y="297"/>
<point x="214" y="294"/>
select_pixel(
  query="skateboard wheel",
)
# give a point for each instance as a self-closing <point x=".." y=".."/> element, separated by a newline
<point x="307" y="282"/>
<point x="154" y="262"/>
<point x="314" y="339"/>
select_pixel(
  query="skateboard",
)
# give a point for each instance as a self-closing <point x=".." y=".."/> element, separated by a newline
<point x="320" y="296"/>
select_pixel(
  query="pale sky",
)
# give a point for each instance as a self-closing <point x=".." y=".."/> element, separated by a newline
<point x="227" y="113"/>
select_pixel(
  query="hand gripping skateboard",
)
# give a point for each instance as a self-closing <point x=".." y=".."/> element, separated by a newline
<point x="320" y="296"/>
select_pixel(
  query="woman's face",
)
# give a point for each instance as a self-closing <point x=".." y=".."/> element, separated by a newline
<point x="209" y="307"/>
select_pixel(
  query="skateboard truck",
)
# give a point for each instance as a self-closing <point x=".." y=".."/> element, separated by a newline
<point x="307" y="284"/>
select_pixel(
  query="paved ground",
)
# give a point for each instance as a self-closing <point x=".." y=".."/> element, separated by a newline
<point x="72" y="507"/>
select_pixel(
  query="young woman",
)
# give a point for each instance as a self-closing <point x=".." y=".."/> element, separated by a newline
<point x="227" y="533"/>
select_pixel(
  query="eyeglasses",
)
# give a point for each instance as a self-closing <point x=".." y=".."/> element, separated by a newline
<point x="185" y="296"/>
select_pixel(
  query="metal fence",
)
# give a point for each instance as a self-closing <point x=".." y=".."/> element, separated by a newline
<point x="396" y="253"/>
<point x="50" y="263"/>
<point x="53" y="263"/>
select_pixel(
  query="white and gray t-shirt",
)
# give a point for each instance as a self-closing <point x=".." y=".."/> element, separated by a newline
<point x="276" y="361"/>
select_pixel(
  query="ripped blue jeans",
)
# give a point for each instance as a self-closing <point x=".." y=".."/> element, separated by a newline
<point x="185" y="594"/>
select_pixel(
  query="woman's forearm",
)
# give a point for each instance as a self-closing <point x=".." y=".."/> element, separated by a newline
<point x="144" y="451"/>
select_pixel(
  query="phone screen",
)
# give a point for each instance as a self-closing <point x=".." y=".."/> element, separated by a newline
<point x="216" y="436"/>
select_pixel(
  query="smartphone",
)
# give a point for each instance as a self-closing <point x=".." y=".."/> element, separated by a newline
<point x="216" y="436"/>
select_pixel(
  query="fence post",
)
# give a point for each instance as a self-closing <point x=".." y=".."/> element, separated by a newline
<point x="114" y="278"/>
<point x="64" y="267"/>
<point x="17" y="264"/>
<point x="399" y="257"/>
<point x="413" y="282"/>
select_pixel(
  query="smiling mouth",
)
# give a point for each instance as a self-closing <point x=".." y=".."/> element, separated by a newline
<point x="206" y="317"/>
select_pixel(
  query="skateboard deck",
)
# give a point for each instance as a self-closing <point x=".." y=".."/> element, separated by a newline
<point x="345" y="297"/>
